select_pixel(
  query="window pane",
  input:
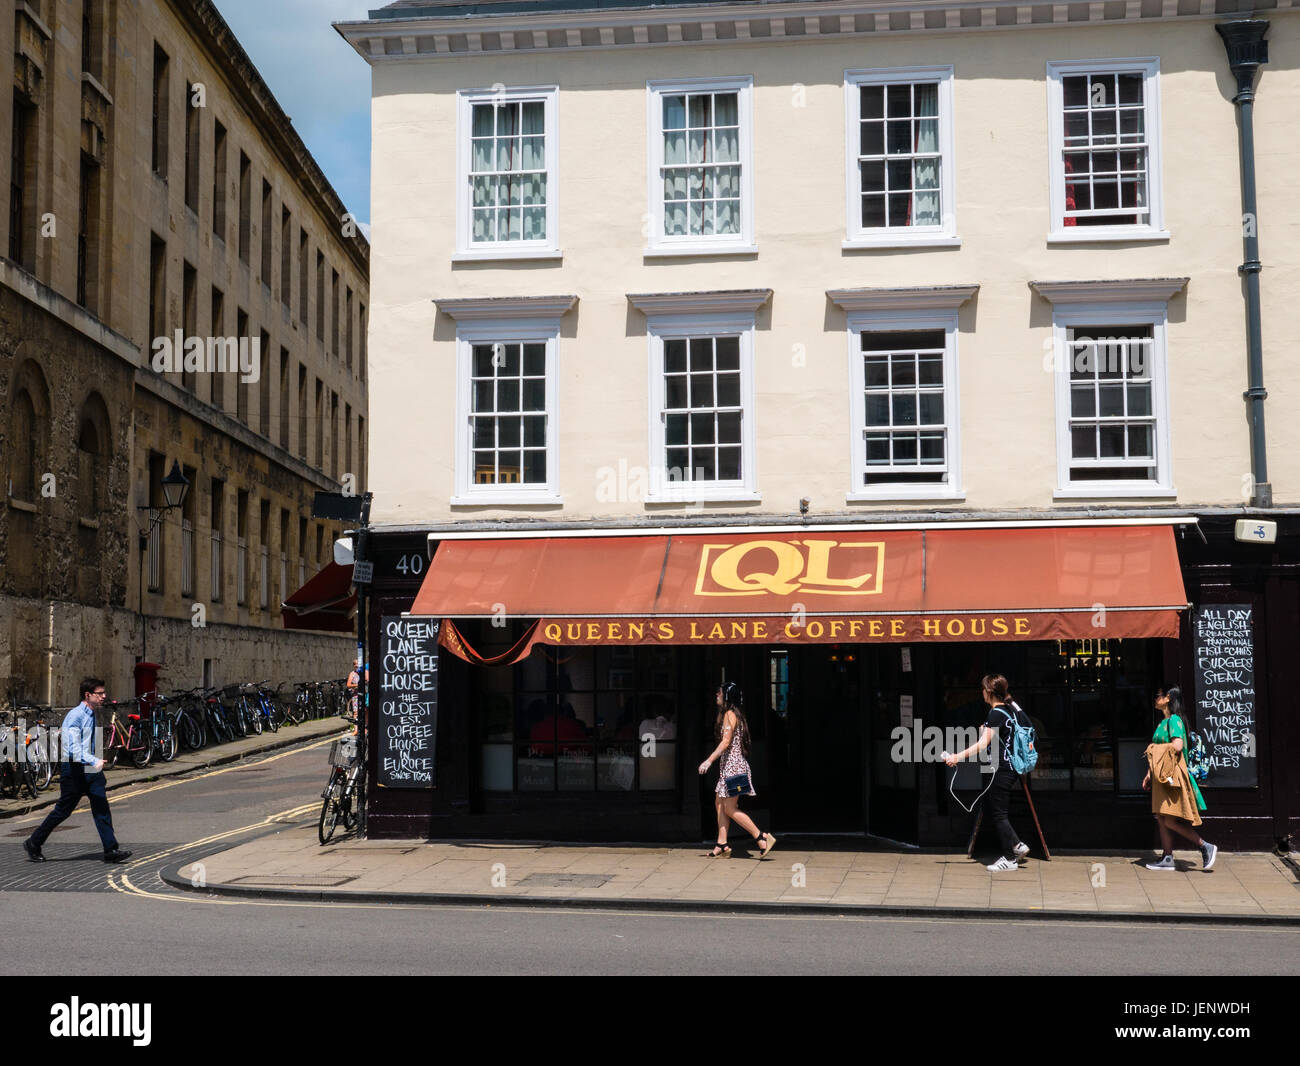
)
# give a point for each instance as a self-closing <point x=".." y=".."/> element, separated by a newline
<point x="728" y="464"/>
<point x="507" y="396"/>
<point x="509" y="432"/>
<point x="674" y="355"/>
<point x="1083" y="402"/>
<point x="535" y="430"/>
<point x="728" y="390"/>
<point x="535" y="467"/>
<point x="701" y="353"/>
<point x="931" y="369"/>
<point x="873" y="138"/>
<point x="674" y="112"/>
<point x="482" y="360"/>
<point x="702" y="429"/>
<point x="534" y="359"/>
<point x="872" y="99"/>
<point x="1075" y="91"/>
<point x="699" y="111"/>
<point x="675" y="429"/>
<point x="729" y="427"/>
<point x="904" y="410"/>
<point x="873" y="212"/>
<point x="701" y="390"/>
<point x="727" y="109"/>
<point x="1140" y="442"/>
<point x="877" y="410"/>
<point x="877" y="371"/>
<point x="728" y="352"/>
<point x="1139" y="399"/>
<point x="903" y="366"/>
<point x="1112" y="442"/>
<point x="878" y="449"/>
<point x="535" y="395"/>
<point x="675" y="391"/>
<point x="484" y="396"/>
<point x="931" y="408"/>
<point x="1111" y="400"/>
<point x="1083" y="442"/>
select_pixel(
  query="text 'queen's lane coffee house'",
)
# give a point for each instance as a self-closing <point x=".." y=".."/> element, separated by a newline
<point x="559" y="684"/>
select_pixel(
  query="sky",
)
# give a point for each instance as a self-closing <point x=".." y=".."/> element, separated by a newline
<point x="319" y="80"/>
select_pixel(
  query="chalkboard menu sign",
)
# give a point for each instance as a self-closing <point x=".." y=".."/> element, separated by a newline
<point x="1225" y="693"/>
<point x="406" y="726"/>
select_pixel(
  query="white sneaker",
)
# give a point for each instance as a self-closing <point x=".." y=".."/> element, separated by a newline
<point x="1021" y="850"/>
<point x="1166" y="863"/>
<point x="1002" y="864"/>
<point x="1208" y="854"/>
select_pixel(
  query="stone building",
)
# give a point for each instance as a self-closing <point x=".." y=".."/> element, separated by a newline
<point x="158" y="201"/>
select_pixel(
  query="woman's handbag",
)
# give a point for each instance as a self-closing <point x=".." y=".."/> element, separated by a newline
<point x="737" y="785"/>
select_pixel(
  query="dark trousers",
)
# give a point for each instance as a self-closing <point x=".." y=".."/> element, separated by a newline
<point x="75" y="782"/>
<point x="999" y="801"/>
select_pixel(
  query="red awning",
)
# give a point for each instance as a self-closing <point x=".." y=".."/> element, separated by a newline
<point x="759" y="587"/>
<point x="326" y="602"/>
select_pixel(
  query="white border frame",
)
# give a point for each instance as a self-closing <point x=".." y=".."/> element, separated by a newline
<point x="1149" y="68"/>
<point x="943" y="235"/>
<point x="514" y="330"/>
<point x="946" y="320"/>
<point x="1153" y="314"/>
<point x="659" y="244"/>
<point x="670" y="327"/>
<point x="466" y="249"/>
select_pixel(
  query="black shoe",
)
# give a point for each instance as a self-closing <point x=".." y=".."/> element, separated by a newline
<point x="116" y="855"/>
<point x="33" y="852"/>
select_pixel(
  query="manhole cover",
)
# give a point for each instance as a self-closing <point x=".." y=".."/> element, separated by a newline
<point x="565" y="880"/>
<point x="291" y="881"/>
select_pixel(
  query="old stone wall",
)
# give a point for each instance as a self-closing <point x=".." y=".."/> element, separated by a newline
<point x="47" y="647"/>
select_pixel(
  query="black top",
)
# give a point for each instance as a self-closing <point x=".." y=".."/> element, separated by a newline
<point x="998" y="719"/>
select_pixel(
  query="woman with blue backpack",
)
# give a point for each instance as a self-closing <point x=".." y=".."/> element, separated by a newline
<point x="1176" y="809"/>
<point x="1011" y="728"/>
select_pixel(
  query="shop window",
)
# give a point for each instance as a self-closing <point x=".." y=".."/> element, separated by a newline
<point x="578" y="720"/>
<point x="1090" y="701"/>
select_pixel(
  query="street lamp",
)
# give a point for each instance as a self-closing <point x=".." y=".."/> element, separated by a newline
<point x="175" y="485"/>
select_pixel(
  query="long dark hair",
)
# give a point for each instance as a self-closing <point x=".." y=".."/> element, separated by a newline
<point x="1175" y="695"/>
<point x="733" y="700"/>
<point x="998" y="687"/>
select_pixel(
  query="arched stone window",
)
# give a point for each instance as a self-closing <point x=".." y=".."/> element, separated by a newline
<point x="94" y="449"/>
<point x="29" y="418"/>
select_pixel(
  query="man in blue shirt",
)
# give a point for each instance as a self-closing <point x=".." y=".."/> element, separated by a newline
<point x="82" y="775"/>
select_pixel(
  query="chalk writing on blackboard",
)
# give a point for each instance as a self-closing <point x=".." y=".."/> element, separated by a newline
<point x="407" y="722"/>
<point x="1224" y="649"/>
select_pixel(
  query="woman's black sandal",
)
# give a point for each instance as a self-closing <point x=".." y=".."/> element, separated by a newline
<point x="720" y="851"/>
<point x="766" y="842"/>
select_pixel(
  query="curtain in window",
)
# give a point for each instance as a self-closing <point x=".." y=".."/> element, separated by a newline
<point x="925" y="172"/>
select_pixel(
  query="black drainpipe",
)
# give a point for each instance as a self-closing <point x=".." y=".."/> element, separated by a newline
<point x="1247" y="51"/>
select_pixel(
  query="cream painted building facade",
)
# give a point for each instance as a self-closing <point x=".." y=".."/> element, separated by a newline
<point x="690" y="265"/>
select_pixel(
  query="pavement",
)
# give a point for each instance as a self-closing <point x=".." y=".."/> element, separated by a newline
<point x="185" y="762"/>
<point x="290" y="863"/>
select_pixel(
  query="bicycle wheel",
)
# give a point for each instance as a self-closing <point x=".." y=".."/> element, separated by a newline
<point x="294" y="712"/>
<point x="329" y="814"/>
<point x="42" y="769"/>
<point x="239" y="723"/>
<point x="140" y="756"/>
<point x="112" y="749"/>
<point x="193" y="736"/>
<point x="255" y="722"/>
<point x="273" y="715"/>
<point x="167" y="744"/>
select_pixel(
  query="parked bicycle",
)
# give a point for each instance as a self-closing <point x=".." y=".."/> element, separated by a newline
<point x="341" y="789"/>
<point x="131" y="736"/>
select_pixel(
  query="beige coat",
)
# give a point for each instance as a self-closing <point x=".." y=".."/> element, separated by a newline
<point x="1174" y="798"/>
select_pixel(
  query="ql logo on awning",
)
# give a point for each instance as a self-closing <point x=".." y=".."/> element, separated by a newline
<point x="784" y="567"/>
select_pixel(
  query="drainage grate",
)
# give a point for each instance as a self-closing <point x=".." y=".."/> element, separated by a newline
<point x="291" y="881"/>
<point x="565" y="880"/>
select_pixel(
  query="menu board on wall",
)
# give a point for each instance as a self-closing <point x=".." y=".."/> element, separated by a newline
<point x="406" y="726"/>
<point x="1225" y="693"/>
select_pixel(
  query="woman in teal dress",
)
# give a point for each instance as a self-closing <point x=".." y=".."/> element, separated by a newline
<point x="1173" y="730"/>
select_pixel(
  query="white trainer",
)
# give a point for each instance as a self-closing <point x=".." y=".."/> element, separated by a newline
<point x="1166" y="863"/>
<point x="1021" y="850"/>
<point x="1002" y="864"/>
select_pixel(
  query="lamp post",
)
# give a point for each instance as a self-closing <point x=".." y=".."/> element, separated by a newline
<point x="175" y="485"/>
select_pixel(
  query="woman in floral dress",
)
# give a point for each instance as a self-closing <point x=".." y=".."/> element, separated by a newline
<point x="732" y="732"/>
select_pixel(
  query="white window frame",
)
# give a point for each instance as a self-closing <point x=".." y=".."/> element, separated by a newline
<point x="1153" y="314"/>
<point x="1149" y="68"/>
<point x="943" y="235"/>
<point x="886" y="321"/>
<point x="468" y="250"/>
<point x="660" y="244"/>
<point x="660" y="328"/>
<point x="542" y="330"/>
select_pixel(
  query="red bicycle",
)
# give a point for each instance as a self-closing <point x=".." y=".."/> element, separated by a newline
<point x="134" y="738"/>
